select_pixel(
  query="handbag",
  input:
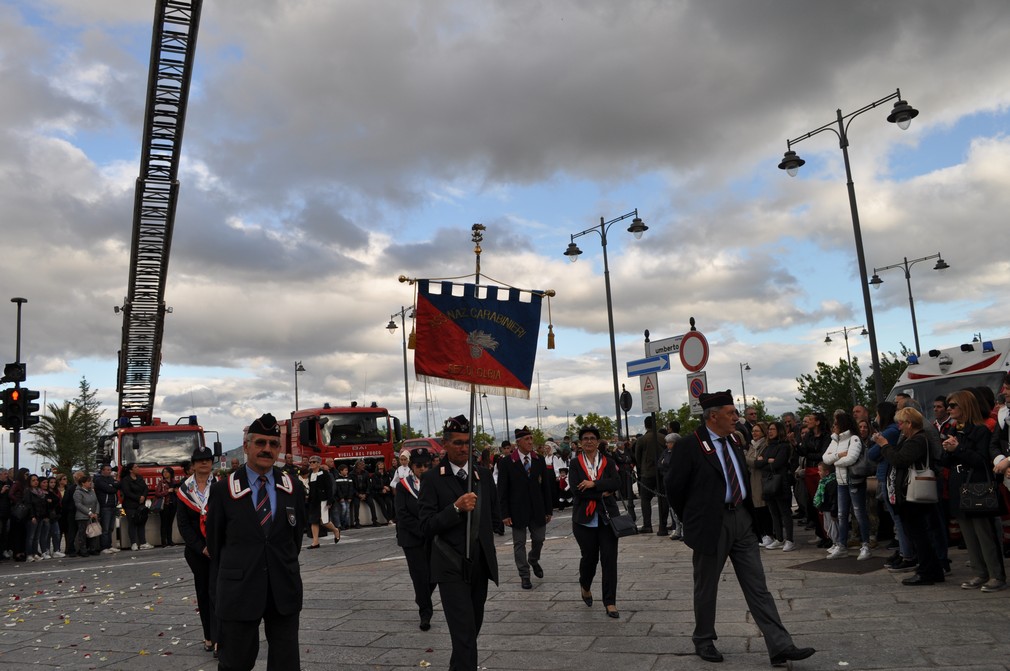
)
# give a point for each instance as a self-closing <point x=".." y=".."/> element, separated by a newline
<point x="93" y="530"/>
<point x="771" y="486"/>
<point x="864" y="467"/>
<point x="978" y="497"/>
<point x="920" y="487"/>
<point x="158" y="505"/>
<point x="21" y="511"/>
<point x="622" y="525"/>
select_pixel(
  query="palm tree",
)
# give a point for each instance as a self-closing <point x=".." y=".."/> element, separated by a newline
<point x="58" y="438"/>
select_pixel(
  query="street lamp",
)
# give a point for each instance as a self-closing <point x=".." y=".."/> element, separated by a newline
<point x="875" y="281"/>
<point x="637" y="228"/>
<point x="845" y="332"/>
<point x="391" y="327"/>
<point x="902" y="115"/>
<point x="299" y="368"/>
<point x="743" y="367"/>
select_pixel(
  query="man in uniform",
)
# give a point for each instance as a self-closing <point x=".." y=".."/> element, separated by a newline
<point x="707" y="485"/>
<point x="524" y="492"/>
<point x="255" y="521"/>
<point x="458" y="502"/>
<point x="409" y="535"/>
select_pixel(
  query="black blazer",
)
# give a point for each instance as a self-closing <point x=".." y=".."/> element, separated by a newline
<point x="408" y="517"/>
<point x="246" y="558"/>
<point x="526" y="498"/>
<point x="608" y="483"/>
<point x="446" y="529"/>
<point x="189" y="514"/>
<point x="696" y="488"/>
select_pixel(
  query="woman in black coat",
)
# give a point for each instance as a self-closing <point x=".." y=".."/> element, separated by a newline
<point x="774" y="461"/>
<point x="595" y="482"/>
<point x="135" y="492"/>
<point x="193" y="494"/>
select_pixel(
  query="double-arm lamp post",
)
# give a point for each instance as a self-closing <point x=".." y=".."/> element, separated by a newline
<point x="391" y="327"/>
<point x="845" y="332"/>
<point x="743" y="387"/>
<point x="902" y="114"/>
<point x="637" y="228"/>
<point x="875" y="281"/>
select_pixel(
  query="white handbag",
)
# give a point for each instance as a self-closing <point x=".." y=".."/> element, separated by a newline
<point x="921" y="484"/>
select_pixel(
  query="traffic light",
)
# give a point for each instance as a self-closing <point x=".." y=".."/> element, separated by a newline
<point x="12" y="409"/>
<point x="27" y="399"/>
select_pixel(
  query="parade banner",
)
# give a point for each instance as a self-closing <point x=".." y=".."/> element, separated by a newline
<point x="477" y="335"/>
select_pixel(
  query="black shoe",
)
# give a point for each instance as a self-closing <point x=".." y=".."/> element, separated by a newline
<point x="587" y="597"/>
<point x="662" y="532"/>
<point x="916" y="580"/>
<point x="425" y="623"/>
<point x="613" y="613"/>
<point x="645" y="530"/>
<point x="312" y="547"/>
<point x="707" y="651"/>
<point x="893" y="559"/>
<point x="903" y="566"/>
<point x="538" y="570"/>
<point x="791" y="654"/>
<point x="526" y="583"/>
<point x="824" y="543"/>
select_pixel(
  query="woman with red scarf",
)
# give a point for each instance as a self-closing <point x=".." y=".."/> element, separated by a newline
<point x="193" y="493"/>
<point x="594" y="482"/>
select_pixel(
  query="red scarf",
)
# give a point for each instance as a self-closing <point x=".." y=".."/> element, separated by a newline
<point x="595" y="475"/>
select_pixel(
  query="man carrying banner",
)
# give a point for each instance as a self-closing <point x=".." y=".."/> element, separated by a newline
<point x="458" y="502"/>
<point x="524" y="491"/>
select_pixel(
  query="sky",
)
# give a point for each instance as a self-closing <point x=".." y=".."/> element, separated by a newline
<point x="332" y="146"/>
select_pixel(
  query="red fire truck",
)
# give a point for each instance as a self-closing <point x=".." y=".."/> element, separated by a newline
<point x="344" y="434"/>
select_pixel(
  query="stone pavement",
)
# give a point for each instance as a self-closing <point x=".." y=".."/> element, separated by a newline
<point x="136" y="611"/>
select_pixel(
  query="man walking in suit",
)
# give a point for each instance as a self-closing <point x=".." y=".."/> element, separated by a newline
<point x="707" y="487"/>
<point x="255" y="521"/>
<point x="524" y="493"/>
<point x="458" y="503"/>
<point x="409" y="535"/>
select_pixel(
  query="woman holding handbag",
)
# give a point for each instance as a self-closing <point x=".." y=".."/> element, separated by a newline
<point x="85" y="512"/>
<point x="845" y="451"/>
<point x="594" y="482"/>
<point x="773" y="465"/>
<point x="966" y="453"/>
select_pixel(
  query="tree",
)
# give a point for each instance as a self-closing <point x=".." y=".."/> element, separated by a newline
<point x="891" y="367"/>
<point x="688" y="422"/>
<point x="68" y="435"/>
<point x="831" y="387"/>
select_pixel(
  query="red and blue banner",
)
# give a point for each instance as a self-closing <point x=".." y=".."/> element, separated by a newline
<point x="484" y="336"/>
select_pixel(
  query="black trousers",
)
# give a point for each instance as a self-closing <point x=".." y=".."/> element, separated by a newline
<point x="463" y="605"/>
<point x="167" y="518"/>
<point x="915" y="517"/>
<point x="417" y="565"/>
<point x="646" y="492"/>
<point x="598" y="545"/>
<point x="200" y="566"/>
<point x="239" y="641"/>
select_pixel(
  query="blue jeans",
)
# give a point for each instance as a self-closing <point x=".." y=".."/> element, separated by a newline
<point x="107" y="515"/>
<point x="32" y="536"/>
<point x="853" y="496"/>
<point x="904" y="544"/>
<point x="55" y="536"/>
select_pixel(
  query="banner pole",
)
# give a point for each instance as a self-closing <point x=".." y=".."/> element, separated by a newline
<point x="477" y="236"/>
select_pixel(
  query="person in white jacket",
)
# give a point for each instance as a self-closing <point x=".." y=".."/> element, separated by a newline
<point x="843" y="453"/>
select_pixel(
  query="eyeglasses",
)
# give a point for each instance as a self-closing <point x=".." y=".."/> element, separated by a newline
<point x="952" y="405"/>
<point x="264" y="442"/>
<point x="590" y="439"/>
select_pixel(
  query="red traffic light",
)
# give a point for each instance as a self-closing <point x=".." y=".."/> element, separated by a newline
<point x="15" y="394"/>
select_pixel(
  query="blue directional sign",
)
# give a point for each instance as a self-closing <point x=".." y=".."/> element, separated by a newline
<point x="652" y="364"/>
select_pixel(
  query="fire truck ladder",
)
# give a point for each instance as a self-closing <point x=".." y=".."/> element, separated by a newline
<point x="173" y="46"/>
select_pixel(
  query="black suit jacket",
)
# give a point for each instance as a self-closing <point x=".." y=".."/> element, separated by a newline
<point x="696" y="488"/>
<point x="526" y="498"/>
<point x="446" y="528"/>
<point x="408" y="517"/>
<point x="246" y="558"/>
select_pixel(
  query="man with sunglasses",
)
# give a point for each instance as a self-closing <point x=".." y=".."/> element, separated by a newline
<point x="255" y="522"/>
<point x="455" y="494"/>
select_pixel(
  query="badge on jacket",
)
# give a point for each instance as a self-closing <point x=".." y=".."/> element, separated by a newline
<point x="291" y="515"/>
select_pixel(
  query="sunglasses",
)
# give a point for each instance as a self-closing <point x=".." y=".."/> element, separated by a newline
<point x="952" y="405"/>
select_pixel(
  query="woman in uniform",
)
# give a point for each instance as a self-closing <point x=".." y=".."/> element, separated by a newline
<point x="409" y="536"/>
<point x="193" y="493"/>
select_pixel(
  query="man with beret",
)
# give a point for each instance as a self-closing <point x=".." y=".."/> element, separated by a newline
<point x="526" y="501"/>
<point x="458" y="503"/>
<point x="707" y="487"/>
<point x="409" y="535"/>
<point x="255" y="521"/>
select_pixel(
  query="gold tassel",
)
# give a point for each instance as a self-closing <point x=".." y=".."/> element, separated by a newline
<point x="412" y="340"/>
<point x="550" y="336"/>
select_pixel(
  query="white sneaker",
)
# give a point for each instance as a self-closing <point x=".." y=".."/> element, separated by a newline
<point x="838" y="552"/>
<point x="46" y="555"/>
<point x="774" y="545"/>
<point x="134" y="547"/>
<point x="108" y="551"/>
<point x="58" y="555"/>
<point x="115" y="550"/>
<point x="146" y="546"/>
<point x="766" y="541"/>
<point x="864" y="552"/>
<point x="32" y="558"/>
<point x="834" y="546"/>
<point x="788" y="546"/>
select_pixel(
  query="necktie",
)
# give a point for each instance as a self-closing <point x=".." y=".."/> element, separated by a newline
<point x="461" y="474"/>
<point x="263" y="503"/>
<point x="734" y="484"/>
<point x="526" y="464"/>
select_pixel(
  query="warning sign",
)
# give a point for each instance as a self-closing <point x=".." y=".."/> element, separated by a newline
<point x="650" y="392"/>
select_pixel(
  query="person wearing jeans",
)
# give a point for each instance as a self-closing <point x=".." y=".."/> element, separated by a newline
<point x="843" y="452"/>
<point x="106" y="488"/>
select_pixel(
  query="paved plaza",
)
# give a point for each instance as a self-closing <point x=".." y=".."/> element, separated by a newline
<point x="137" y="611"/>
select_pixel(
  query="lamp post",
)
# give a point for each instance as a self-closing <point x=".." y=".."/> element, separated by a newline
<point x="902" y="114"/>
<point x="743" y="389"/>
<point x="391" y="327"/>
<point x="299" y="368"/>
<point x="875" y="281"/>
<point x="845" y="332"/>
<point x="637" y="228"/>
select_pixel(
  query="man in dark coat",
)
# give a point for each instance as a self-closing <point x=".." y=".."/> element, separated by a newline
<point x="647" y="451"/>
<point x="255" y="522"/>
<point x="409" y="535"/>
<point x="707" y="486"/>
<point x="459" y="503"/>
<point x="526" y="501"/>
